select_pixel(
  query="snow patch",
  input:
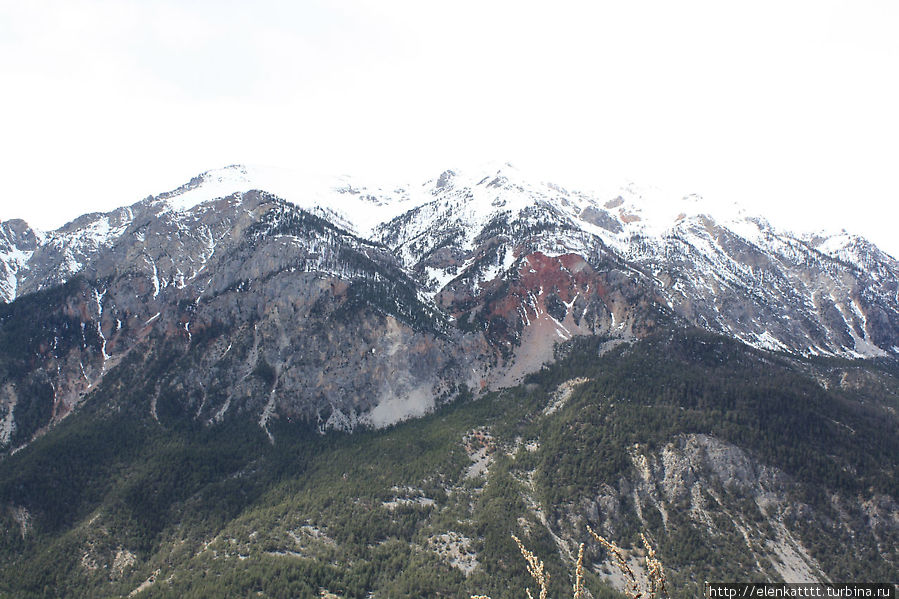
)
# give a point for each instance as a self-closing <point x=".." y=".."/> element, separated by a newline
<point x="356" y="205"/>
<point x="15" y="260"/>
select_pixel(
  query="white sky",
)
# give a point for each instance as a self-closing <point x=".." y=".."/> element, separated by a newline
<point x="788" y="107"/>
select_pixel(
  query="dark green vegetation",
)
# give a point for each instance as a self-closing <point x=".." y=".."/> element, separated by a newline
<point x="115" y="499"/>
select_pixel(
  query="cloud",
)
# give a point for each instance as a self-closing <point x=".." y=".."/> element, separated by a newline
<point x="785" y="106"/>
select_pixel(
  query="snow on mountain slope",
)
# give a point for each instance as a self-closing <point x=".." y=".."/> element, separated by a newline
<point x="461" y="205"/>
<point x="350" y="204"/>
<point x="474" y="225"/>
<point x="342" y="303"/>
<point x="12" y="259"/>
<point x="718" y="266"/>
<point x="17" y="244"/>
<point x="857" y="251"/>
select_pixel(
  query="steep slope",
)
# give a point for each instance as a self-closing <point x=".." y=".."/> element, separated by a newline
<point x="717" y="267"/>
<point x="240" y="305"/>
<point x="773" y="291"/>
<point x="640" y="363"/>
<point x="738" y="464"/>
<point x="17" y="244"/>
<point x="301" y="309"/>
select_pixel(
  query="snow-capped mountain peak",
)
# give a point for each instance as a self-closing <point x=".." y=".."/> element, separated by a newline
<point x="309" y="294"/>
<point x="718" y="266"/>
<point x="356" y="205"/>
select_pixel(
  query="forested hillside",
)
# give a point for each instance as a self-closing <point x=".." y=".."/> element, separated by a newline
<point x="739" y="465"/>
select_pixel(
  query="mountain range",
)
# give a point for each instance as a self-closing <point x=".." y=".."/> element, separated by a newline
<point x="265" y="298"/>
<point x="475" y="278"/>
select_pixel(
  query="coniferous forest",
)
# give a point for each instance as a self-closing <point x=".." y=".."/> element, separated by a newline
<point x="113" y="502"/>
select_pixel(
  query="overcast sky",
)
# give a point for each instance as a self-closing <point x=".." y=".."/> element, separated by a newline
<point x="789" y="107"/>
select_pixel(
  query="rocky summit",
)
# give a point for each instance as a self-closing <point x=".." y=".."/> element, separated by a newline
<point x="272" y="294"/>
<point x="178" y="378"/>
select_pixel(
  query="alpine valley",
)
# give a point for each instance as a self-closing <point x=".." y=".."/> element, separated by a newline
<point x="270" y="384"/>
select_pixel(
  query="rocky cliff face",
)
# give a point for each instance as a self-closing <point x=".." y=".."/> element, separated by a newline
<point x="732" y="501"/>
<point x="245" y="305"/>
<point x="345" y="305"/>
